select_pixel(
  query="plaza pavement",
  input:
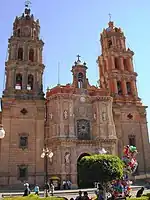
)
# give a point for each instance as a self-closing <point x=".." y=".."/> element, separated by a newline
<point x="71" y="193"/>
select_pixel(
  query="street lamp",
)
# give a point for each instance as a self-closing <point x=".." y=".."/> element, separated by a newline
<point x="46" y="154"/>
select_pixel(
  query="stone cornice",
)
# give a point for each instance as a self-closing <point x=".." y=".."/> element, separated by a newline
<point x="69" y="141"/>
<point x="13" y="64"/>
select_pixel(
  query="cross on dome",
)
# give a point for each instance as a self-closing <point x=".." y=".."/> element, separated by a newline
<point x="110" y="17"/>
<point x="27" y="3"/>
<point x="78" y="56"/>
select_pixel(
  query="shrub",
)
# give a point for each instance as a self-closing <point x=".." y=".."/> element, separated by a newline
<point x="99" y="168"/>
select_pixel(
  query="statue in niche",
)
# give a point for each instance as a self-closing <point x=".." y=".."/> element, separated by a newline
<point x="95" y="116"/>
<point x="65" y="114"/>
<point x="51" y="116"/>
<point x="67" y="158"/>
<point x="104" y="116"/>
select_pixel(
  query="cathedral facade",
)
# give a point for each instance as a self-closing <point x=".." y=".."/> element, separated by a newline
<point x="71" y="120"/>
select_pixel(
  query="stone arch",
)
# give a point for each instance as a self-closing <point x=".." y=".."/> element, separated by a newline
<point x="80" y="79"/>
<point x="31" y="55"/>
<point x="30" y="82"/>
<point x="18" y="84"/>
<point x="78" y="160"/>
<point x="20" y="53"/>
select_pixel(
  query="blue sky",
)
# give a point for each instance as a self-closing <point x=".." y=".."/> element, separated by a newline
<point x="72" y="27"/>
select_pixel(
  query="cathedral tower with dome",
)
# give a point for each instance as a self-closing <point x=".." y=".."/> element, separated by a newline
<point x="71" y="120"/>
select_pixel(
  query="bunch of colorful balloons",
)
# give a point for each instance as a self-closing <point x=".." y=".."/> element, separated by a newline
<point x="123" y="187"/>
<point x="129" y="159"/>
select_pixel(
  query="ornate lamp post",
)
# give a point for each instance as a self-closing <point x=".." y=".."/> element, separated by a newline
<point x="46" y="154"/>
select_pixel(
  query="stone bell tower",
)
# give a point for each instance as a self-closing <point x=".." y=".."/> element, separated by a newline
<point x="23" y="104"/>
<point x="117" y="75"/>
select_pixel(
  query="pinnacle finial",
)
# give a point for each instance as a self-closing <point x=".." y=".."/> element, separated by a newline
<point x="109" y="17"/>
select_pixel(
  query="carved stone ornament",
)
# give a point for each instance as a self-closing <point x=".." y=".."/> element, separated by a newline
<point x="67" y="158"/>
<point x="65" y="114"/>
<point x="104" y="116"/>
<point x="24" y="111"/>
<point x="82" y="99"/>
<point x="95" y="116"/>
<point x="51" y="116"/>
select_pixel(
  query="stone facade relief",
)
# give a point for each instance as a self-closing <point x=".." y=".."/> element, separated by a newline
<point x="65" y="114"/>
<point x="95" y="116"/>
<point x="51" y="116"/>
<point x="67" y="158"/>
<point x="103" y="113"/>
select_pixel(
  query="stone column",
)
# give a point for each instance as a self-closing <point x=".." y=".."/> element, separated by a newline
<point x="25" y="79"/>
<point x="122" y="64"/>
<point x="71" y="120"/>
<point x="60" y="113"/>
<point x="13" y="78"/>
<point x="107" y="64"/>
<point x="124" y="87"/>
<point x="112" y="62"/>
<point x="130" y="64"/>
<point x="74" y="167"/>
<point x="115" y="89"/>
<point x="134" y="88"/>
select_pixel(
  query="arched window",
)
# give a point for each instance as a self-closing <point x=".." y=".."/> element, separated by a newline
<point x="119" y="87"/>
<point x="109" y="43"/>
<point x="20" y="54"/>
<point x="128" y="84"/>
<point x="83" y="129"/>
<point x="116" y="63"/>
<point x="18" y="32"/>
<point x="80" y="80"/>
<point x="125" y="63"/>
<point x="31" y="55"/>
<point x="18" y="85"/>
<point x="30" y="82"/>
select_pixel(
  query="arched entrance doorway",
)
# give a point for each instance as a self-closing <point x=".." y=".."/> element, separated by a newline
<point x="78" y="160"/>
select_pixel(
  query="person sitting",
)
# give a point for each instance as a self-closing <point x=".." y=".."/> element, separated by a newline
<point x="140" y="192"/>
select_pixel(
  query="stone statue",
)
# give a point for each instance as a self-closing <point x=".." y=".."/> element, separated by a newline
<point x="95" y="116"/>
<point x="67" y="158"/>
<point x="65" y="114"/>
<point x="104" y="116"/>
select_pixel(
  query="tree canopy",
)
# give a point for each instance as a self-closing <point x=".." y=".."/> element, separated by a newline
<point x="99" y="168"/>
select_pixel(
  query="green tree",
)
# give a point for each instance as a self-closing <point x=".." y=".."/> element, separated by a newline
<point x="99" y="168"/>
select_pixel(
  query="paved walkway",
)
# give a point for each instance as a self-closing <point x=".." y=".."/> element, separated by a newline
<point x="71" y="193"/>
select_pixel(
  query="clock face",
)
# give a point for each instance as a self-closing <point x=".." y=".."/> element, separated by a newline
<point x="82" y="99"/>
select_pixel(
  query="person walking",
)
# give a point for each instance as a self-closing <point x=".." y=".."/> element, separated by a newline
<point x="36" y="190"/>
<point x="27" y="190"/>
<point x="52" y="189"/>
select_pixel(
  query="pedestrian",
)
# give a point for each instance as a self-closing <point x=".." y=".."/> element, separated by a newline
<point x="26" y="190"/>
<point x="69" y="184"/>
<point x="79" y="197"/>
<point x="36" y="190"/>
<point x="140" y="192"/>
<point x="64" y="184"/>
<point x="52" y="189"/>
<point x="46" y="189"/>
